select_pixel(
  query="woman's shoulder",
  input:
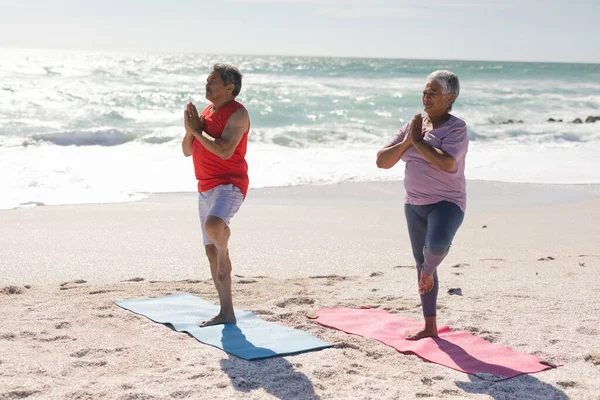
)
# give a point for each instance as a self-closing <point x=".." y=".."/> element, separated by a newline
<point x="456" y="122"/>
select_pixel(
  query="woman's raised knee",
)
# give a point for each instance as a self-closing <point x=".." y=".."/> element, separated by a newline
<point x="438" y="248"/>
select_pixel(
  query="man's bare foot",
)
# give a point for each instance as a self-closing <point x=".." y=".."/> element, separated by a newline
<point x="422" y="334"/>
<point x="219" y="320"/>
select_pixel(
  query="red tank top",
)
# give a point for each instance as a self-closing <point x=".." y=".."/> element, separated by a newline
<point x="211" y="170"/>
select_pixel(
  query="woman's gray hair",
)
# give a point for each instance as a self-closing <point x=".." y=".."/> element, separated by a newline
<point x="230" y="74"/>
<point x="448" y="81"/>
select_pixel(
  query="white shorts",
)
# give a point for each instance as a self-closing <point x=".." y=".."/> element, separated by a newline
<point x="222" y="201"/>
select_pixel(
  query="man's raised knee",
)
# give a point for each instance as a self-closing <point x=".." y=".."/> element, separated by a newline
<point x="214" y="227"/>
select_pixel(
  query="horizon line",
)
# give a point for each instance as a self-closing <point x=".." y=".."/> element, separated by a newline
<point x="157" y="52"/>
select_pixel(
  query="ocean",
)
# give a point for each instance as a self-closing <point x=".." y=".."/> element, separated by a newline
<point x="93" y="127"/>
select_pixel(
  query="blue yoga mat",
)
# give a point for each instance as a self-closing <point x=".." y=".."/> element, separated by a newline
<point x="251" y="338"/>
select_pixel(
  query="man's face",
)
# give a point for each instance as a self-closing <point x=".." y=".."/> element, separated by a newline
<point x="215" y="88"/>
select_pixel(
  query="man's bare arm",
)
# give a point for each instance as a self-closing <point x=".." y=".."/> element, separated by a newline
<point x="224" y="147"/>
<point x="187" y="144"/>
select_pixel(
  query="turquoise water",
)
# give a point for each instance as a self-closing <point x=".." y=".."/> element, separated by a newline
<point x="314" y="120"/>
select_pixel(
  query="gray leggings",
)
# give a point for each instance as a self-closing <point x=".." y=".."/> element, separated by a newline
<point x="431" y="229"/>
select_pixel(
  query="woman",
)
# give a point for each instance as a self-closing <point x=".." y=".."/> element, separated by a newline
<point x="434" y="150"/>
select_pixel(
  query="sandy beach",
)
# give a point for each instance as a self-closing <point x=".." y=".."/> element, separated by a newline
<point x="527" y="259"/>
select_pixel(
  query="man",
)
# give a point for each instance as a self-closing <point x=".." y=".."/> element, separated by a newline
<point x="216" y="139"/>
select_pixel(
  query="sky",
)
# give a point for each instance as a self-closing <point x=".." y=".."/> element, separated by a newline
<point x="511" y="30"/>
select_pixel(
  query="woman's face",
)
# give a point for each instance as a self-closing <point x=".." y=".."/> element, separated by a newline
<point x="434" y="101"/>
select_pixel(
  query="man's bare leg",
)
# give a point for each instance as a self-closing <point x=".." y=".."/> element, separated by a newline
<point x="220" y="269"/>
<point x="430" y="330"/>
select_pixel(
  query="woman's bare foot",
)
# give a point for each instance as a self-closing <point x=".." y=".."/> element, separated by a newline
<point x="424" y="333"/>
<point x="430" y="329"/>
<point x="219" y="320"/>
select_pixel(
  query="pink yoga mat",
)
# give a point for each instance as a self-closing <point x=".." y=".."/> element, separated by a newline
<point x="457" y="350"/>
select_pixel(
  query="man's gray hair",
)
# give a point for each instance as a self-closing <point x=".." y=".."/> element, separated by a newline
<point x="230" y="74"/>
<point x="448" y="81"/>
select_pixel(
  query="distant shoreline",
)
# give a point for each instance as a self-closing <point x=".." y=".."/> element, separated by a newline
<point x="481" y="194"/>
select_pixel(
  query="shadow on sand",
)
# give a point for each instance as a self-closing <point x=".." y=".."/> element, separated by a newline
<point x="523" y="386"/>
<point x="275" y="375"/>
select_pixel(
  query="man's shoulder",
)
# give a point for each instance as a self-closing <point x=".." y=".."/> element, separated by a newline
<point x="236" y="105"/>
<point x="240" y="111"/>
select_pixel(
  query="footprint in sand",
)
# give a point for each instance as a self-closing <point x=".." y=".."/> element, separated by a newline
<point x="8" y="336"/>
<point x="18" y="394"/>
<point x="85" y="352"/>
<point x="86" y="364"/>
<point x="373" y="274"/>
<point x="593" y="358"/>
<point x="451" y="392"/>
<point x="136" y="279"/>
<point x="325" y="373"/>
<point x="567" y="384"/>
<point x="105" y="315"/>
<point x="374" y="354"/>
<point x="62" y="325"/>
<point x="332" y="277"/>
<point x="11" y="290"/>
<point x="471" y="329"/>
<point x="492" y="259"/>
<point x="405" y="266"/>
<point x="246" y="281"/>
<point x="263" y="312"/>
<point x="587" y="331"/>
<point x="298" y="301"/>
<point x="184" y="394"/>
<point x="199" y="376"/>
<point x="488" y="338"/>
<point x="459" y="265"/>
<point x="56" y="338"/>
<point x="549" y="258"/>
<point x="346" y="345"/>
<point x="101" y="291"/>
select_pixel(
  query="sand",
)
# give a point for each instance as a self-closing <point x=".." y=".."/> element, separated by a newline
<point x="526" y="258"/>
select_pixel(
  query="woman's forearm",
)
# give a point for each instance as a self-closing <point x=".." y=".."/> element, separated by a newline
<point x="438" y="158"/>
<point x="389" y="156"/>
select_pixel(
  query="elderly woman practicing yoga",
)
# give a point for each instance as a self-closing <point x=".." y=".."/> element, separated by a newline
<point x="434" y="148"/>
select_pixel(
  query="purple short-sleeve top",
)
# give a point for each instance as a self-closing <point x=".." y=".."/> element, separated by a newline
<point x="426" y="184"/>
